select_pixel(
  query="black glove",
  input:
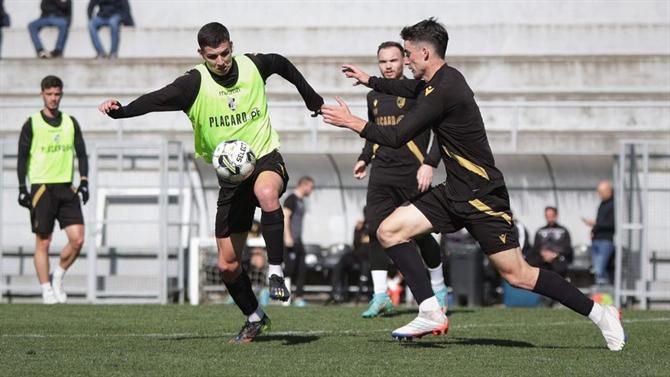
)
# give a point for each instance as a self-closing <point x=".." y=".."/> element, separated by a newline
<point x="83" y="190"/>
<point x="24" y="197"/>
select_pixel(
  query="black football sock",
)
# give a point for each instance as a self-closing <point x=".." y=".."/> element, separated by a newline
<point x="272" y="227"/>
<point x="379" y="261"/>
<point x="408" y="261"/>
<point x="430" y="250"/>
<point x="241" y="292"/>
<point x="552" y="285"/>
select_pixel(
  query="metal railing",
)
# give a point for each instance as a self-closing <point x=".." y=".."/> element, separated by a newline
<point x="642" y="222"/>
<point x="172" y="186"/>
<point x="513" y="117"/>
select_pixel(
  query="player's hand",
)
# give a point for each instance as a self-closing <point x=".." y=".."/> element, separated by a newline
<point x="353" y="72"/>
<point x="424" y="177"/>
<point x="109" y="105"/>
<point x="24" y="197"/>
<point x="589" y="222"/>
<point x="288" y="241"/>
<point x="83" y="190"/>
<point x="548" y="256"/>
<point x="340" y="116"/>
<point x="360" y="170"/>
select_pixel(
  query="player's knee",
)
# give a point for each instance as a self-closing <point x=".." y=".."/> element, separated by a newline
<point x="228" y="267"/>
<point x="77" y="243"/>
<point x="519" y="278"/>
<point x="267" y="197"/>
<point x="387" y="235"/>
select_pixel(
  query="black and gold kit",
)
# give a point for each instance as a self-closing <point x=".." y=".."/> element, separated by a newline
<point x="393" y="170"/>
<point x="474" y="195"/>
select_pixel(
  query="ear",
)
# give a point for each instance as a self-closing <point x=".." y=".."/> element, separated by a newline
<point x="426" y="53"/>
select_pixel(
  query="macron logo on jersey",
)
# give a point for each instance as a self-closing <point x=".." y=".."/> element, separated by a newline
<point x="429" y="89"/>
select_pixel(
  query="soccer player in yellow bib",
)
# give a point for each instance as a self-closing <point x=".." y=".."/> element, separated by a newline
<point x="47" y="144"/>
<point x="224" y="97"/>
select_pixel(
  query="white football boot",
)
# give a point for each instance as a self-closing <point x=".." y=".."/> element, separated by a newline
<point x="428" y="322"/>
<point x="49" y="297"/>
<point x="58" y="290"/>
<point x="610" y="326"/>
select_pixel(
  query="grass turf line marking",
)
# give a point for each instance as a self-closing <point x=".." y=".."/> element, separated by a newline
<point x="309" y="332"/>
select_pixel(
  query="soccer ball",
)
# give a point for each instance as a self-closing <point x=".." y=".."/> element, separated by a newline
<point x="234" y="161"/>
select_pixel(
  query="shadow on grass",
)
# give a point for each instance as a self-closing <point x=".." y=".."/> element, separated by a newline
<point x="287" y="340"/>
<point x="402" y="311"/>
<point x="447" y="342"/>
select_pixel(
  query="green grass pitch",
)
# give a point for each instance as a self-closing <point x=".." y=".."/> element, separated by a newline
<point x="139" y="340"/>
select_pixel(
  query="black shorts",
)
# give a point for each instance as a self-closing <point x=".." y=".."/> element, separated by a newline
<point x="488" y="219"/>
<point x="237" y="203"/>
<point x="382" y="200"/>
<point x="54" y="201"/>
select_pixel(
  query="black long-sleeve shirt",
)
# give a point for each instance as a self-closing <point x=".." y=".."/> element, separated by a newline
<point x="396" y="166"/>
<point x="604" y="226"/>
<point x="447" y="105"/>
<point x="182" y="92"/>
<point x="556" y="238"/>
<point x="57" y="8"/>
<point x="26" y="140"/>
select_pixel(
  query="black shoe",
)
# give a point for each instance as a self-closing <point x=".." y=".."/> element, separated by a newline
<point x="252" y="329"/>
<point x="278" y="290"/>
<point x="56" y="54"/>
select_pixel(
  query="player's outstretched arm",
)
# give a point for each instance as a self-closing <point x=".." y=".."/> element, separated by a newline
<point x="177" y="96"/>
<point x="269" y="64"/>
<point x="407" y="88"/>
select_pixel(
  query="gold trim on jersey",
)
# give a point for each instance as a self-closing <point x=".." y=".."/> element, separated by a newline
<point x="415" y="151"/>
<point x="489" y="211"/>
<point x="469" y="165"/>
<point x="38" y="195"/>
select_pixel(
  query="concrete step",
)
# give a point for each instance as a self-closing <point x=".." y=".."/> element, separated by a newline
<point x="491" y="77"/>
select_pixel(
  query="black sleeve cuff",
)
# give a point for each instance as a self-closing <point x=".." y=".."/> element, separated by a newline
<point x="364" y="131"/>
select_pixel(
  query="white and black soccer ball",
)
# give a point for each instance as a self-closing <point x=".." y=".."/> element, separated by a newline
<point x="234" y="161"/>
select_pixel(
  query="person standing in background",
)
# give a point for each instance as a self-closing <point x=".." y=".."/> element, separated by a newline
<point x="294" y="213"/>
<point x="602" y="233"/>
<point x="47" y="145"/>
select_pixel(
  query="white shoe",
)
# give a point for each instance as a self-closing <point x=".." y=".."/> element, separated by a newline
<point x="49" y="297"/>
<point x="610" y="326"/>
<point x="434" y="322"/>
<point x="58" y="290"/>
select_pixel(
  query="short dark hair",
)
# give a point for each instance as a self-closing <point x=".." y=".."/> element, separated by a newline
<point x="391" y="44"/>
<point x="212" y="35"/>
<point x="429" y="31"/>
<point x="51" y="82"/>
<point x="548" y="208"/>
<point x="305" y="178"/>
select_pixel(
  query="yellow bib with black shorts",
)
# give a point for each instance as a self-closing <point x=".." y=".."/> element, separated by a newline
<point x="50" y="172"/>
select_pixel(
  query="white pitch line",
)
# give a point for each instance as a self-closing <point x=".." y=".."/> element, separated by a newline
<point x="313" y="332"/>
